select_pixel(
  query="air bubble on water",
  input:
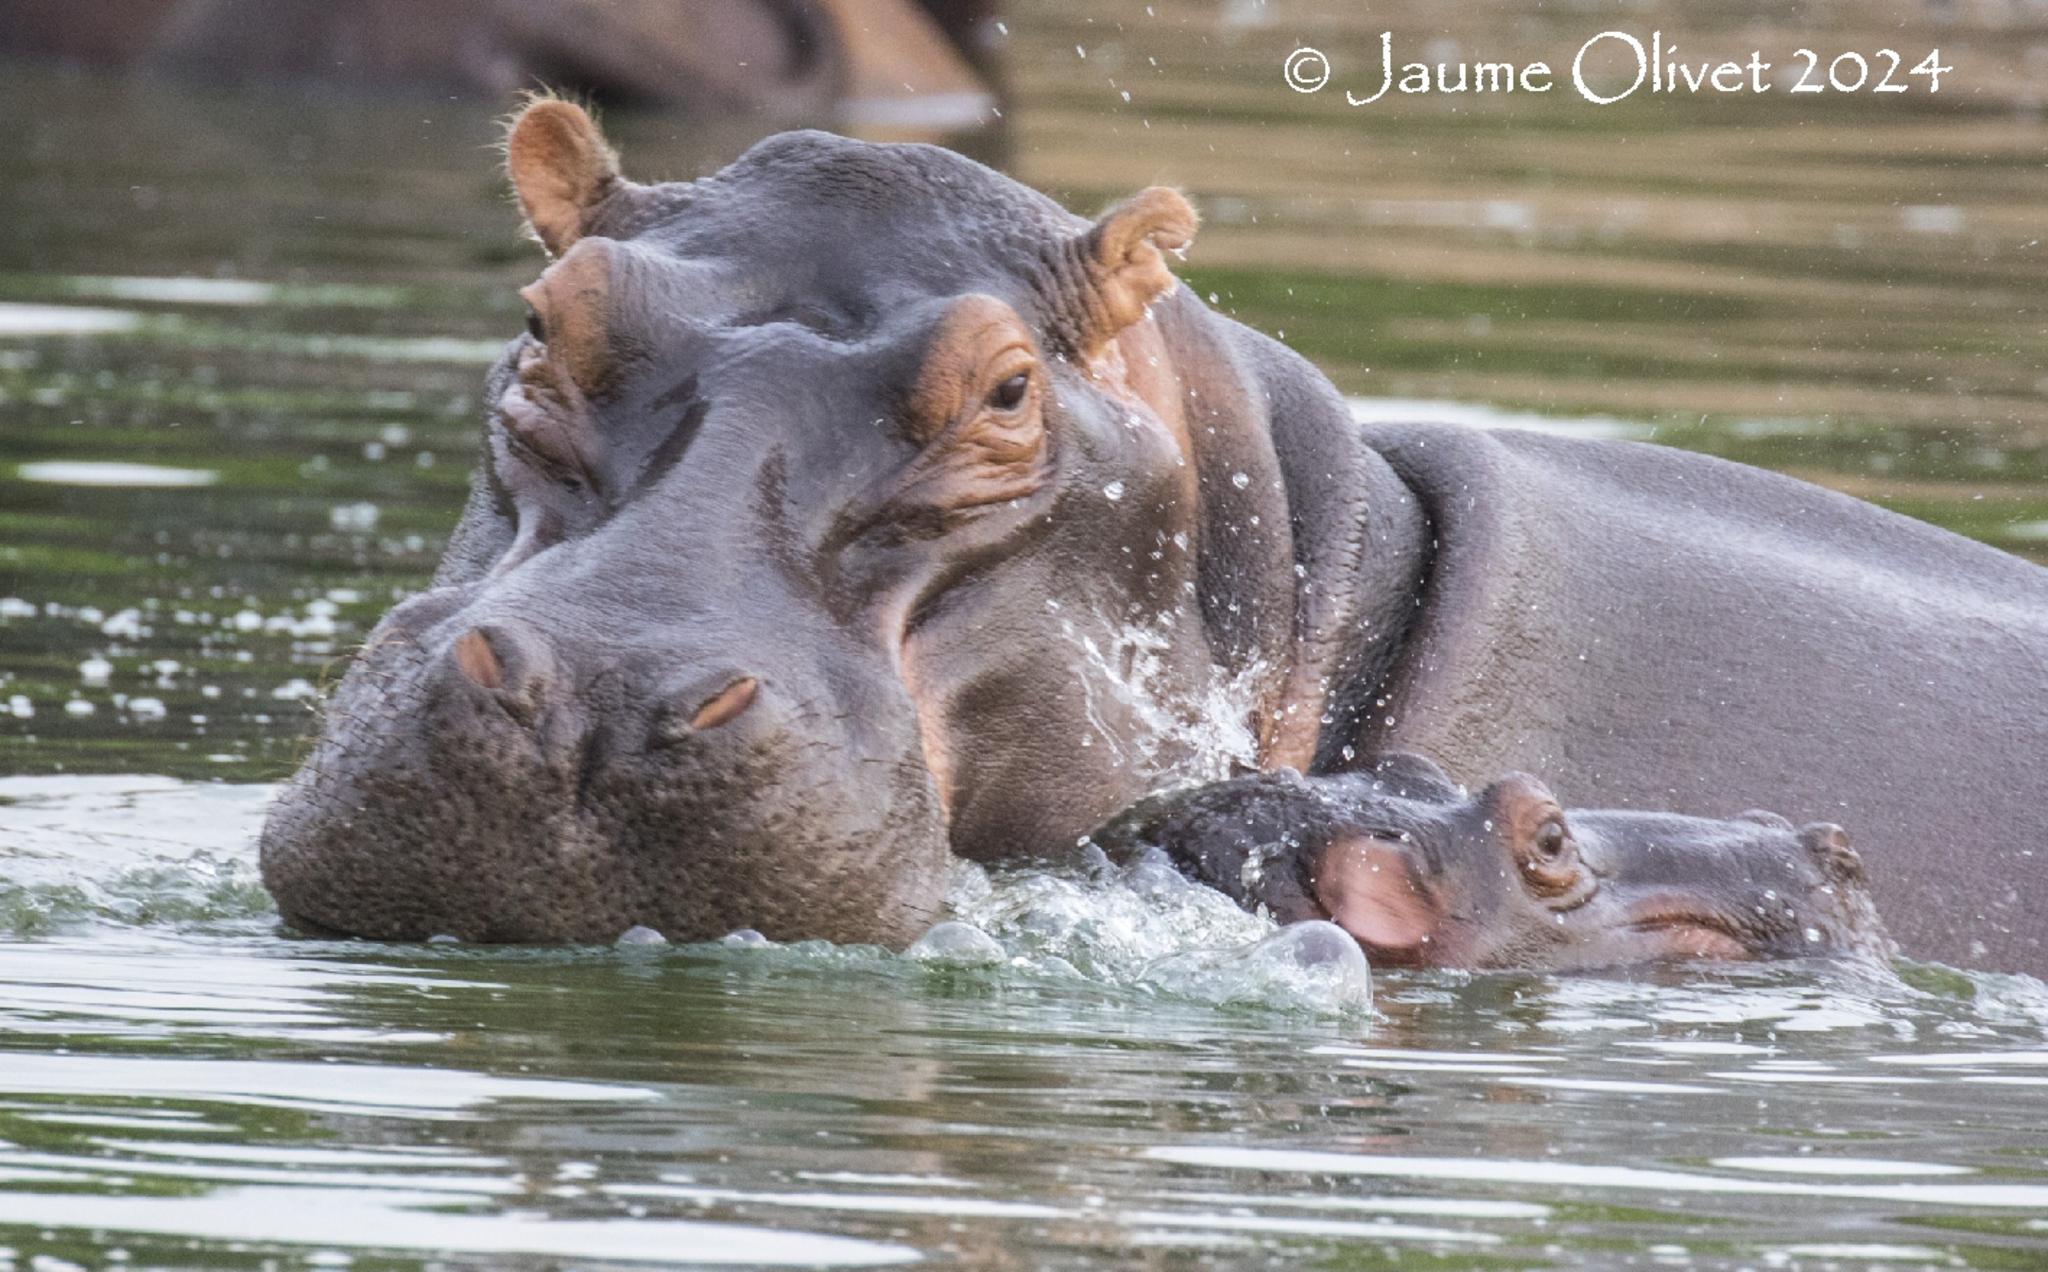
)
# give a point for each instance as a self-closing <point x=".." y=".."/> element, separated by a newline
<point x="247" y="620"/>
<point x="95" y="672"/>
<point x="147" y="708"/>
<point x="1313" y="964"/>
<point x="297" y="687"/>
<point x="745" y="938"/>
<point x="640" y="934"/>
<point x="956" y="942"/>
<point x="20" y="707"/>
<point x="444" y="938"/>
<point x="15" y="607"/>
<point x="1156" y="876"/>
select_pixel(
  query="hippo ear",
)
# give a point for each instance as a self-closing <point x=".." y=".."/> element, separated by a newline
<point x="1124" y="254"/>
<point x="560" y="167"/>
<point x="1829" y="846"/>
<point x="1366" y="886"/>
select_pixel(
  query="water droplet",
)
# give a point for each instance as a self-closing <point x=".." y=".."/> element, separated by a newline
<point x="1114" y="490"/>
<point x="1240" y="480"/>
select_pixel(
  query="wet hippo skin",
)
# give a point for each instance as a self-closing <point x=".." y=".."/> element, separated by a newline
<point x="833" y="509"/>
<point x="1424" y="874"/>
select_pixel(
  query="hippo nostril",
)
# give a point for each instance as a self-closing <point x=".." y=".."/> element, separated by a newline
<point x="511" y="665"/>
<point x="725" y="705"/>
<point x="475" y="659"/>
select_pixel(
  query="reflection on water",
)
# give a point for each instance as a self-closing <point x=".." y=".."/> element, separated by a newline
<point x="240" y="345"/>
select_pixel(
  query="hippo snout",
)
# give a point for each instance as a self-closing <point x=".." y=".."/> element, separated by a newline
<point x="493" y="780"/>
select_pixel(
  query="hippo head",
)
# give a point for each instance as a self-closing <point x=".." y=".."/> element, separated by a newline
<point x="1424" y="876"/>
<point x="830" y="509"/>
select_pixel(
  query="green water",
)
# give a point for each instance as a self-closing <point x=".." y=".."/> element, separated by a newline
<point x="241" y="340"/>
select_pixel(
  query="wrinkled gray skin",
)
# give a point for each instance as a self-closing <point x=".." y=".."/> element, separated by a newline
<point x="1644" y="627"/>
<point x="1424" y="875"/>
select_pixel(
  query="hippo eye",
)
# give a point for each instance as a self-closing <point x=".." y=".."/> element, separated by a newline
<point x="534" y="326"/>
<point x="1549" y="859"/>
<point x="1008" y="395"/>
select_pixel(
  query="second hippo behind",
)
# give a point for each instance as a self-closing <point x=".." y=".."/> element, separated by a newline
<point x="1424" y="875"/>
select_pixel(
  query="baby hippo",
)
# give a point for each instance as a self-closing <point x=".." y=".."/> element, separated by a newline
<point x="1424" y="875"/>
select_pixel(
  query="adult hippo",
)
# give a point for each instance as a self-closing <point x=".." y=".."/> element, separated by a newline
<point x="857" y="505"/>
<point x="1423" y="874"/>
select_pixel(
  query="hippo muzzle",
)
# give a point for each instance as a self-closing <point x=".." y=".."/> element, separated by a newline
<point x="496" y="772"/>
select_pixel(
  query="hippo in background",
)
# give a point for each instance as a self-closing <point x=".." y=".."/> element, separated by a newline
<point x="925" y="65"/>
<point x="1422" y="874"/>
<point x="857" y="506"/>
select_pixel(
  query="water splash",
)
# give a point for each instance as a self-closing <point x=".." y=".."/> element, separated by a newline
<point x="1148" y="929"/>
<point x="1146" y="719"/>
<point x="127" y="852"/>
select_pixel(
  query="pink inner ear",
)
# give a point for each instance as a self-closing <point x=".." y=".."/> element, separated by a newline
<point x="1365" y="886"/>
